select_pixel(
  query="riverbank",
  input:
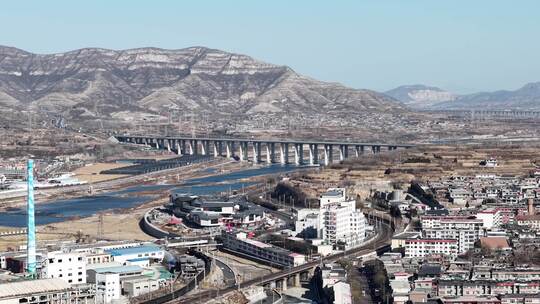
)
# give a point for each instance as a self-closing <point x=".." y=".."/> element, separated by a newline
<point x="123" y="223"/>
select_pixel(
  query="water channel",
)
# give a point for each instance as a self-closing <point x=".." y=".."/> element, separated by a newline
<point x="62" y="210"/>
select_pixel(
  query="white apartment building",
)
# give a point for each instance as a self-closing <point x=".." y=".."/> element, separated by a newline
<point x="68" y="266"/>
<point x="423" y="247"/>
<point x="342" y="223"/>
<point x="463" y="229"/>
<point x="332" y="196"/>
<point x="491" y="218"/>
<point x="336" y="221"/>
<point x="107" y="287"/>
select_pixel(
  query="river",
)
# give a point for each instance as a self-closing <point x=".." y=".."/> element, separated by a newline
<point x="62" y="210"/>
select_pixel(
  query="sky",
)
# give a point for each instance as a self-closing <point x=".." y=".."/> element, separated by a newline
<point x="460" y="45"/>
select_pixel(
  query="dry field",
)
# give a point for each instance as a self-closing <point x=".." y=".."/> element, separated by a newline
<point x="397" y="169"/>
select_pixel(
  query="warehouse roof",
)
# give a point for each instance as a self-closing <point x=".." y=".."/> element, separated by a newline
<point x="119" y="269"/>
<point x="134" y="250"/>
<point x="33" y="287"/>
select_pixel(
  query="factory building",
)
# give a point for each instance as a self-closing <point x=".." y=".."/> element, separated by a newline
<point x="43" y="291"/>
<point x="107" y="287"/>
<point x="68" y="266"/>
<point x="141" y="255"/>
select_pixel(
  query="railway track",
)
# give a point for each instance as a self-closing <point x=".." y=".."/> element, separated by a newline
<point x="381" y="241"/>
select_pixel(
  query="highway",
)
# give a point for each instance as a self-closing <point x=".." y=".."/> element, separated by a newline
<point x="382" y="239"/>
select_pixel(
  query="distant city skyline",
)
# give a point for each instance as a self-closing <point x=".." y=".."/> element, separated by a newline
<point x="461" y="46"/>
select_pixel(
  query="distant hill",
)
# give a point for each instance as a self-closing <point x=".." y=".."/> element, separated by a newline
<point x="524" y="98"/>
<point x="91" y="83"/>
<point x="420" y="95"/>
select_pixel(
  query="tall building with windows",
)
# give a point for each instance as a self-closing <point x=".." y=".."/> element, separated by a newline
<point x="67" y="266"/>
<point x="466" y="230"/>
<point x="337" y="221"/>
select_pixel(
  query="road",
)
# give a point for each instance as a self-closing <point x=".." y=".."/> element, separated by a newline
<point x="382" y="239"/>
<point x="228" y="274"/>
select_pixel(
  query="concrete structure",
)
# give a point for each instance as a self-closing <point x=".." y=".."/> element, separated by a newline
<point x="68" y="266"/>
<point x="421" y="248"/>
<point x="261" y="149"/>
<point x="465" y="230"/>
<point x="149" y="252"/>
<point x="31" y="226"/>
<point x="336" y="222"/>
<point x="206" y="213"/>
<point x="240" y="243"/>
<point x="43" y="291"/>
<point x="107" y="287"/>
<point x="140" y="285"/>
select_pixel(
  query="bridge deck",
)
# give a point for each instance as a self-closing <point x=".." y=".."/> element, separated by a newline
<point x="278" y="141"/>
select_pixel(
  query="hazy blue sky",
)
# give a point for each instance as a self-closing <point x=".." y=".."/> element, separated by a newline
<point x="463" y="46"/>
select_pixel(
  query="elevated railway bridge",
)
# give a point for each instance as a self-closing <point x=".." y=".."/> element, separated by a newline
<point x="299" y="152"/>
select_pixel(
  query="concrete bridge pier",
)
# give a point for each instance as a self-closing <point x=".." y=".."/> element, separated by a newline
<point x="220" y="148"/>
<point x="183" y="147"/>
<point x="359" y="150"/>
<point x="256" y="152"/>
<point x="156" y="144"/>
<point x="296" y="282"/>
<point x="270" y="153"/>
<point x="343" y="152"/>
<point x="298" y="154"/>
<point x="313" y="154"/>
<point x="243" y="150"/>
<point x="328" y="154"/>
<point x="177" y="147"/>
<point x="191" y="150"/>
<point x="284" y="153"/>
<point x="204" y="147"/>
<point x="215" y="148"/>
<point x="228" y="149"/>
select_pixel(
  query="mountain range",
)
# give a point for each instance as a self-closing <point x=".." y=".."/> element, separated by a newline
<point x="130" y="84"/>
<point x="524" y="98"/>
<point x="420" y="96"/>
<point x="426" y="97"/>
<point x="92" y="82"/>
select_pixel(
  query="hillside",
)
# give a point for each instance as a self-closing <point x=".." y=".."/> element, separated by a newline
<point x="129" y="84"/>
<point x="420" y="95"/>
<point x="524" y="98"/>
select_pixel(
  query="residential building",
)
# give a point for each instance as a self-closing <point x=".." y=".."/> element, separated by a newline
<point x="337" y="221"/>
<point x="465" y="230"/>
<point x="424" y="247"/>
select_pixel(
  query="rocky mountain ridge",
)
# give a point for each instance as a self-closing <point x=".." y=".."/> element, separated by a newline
<point x="420" y="95"/>
<point x="91" y="83"/>
<point x="524" y="98"/>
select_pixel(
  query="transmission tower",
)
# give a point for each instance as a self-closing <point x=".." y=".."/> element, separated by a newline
<point x="100" y="227"/>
